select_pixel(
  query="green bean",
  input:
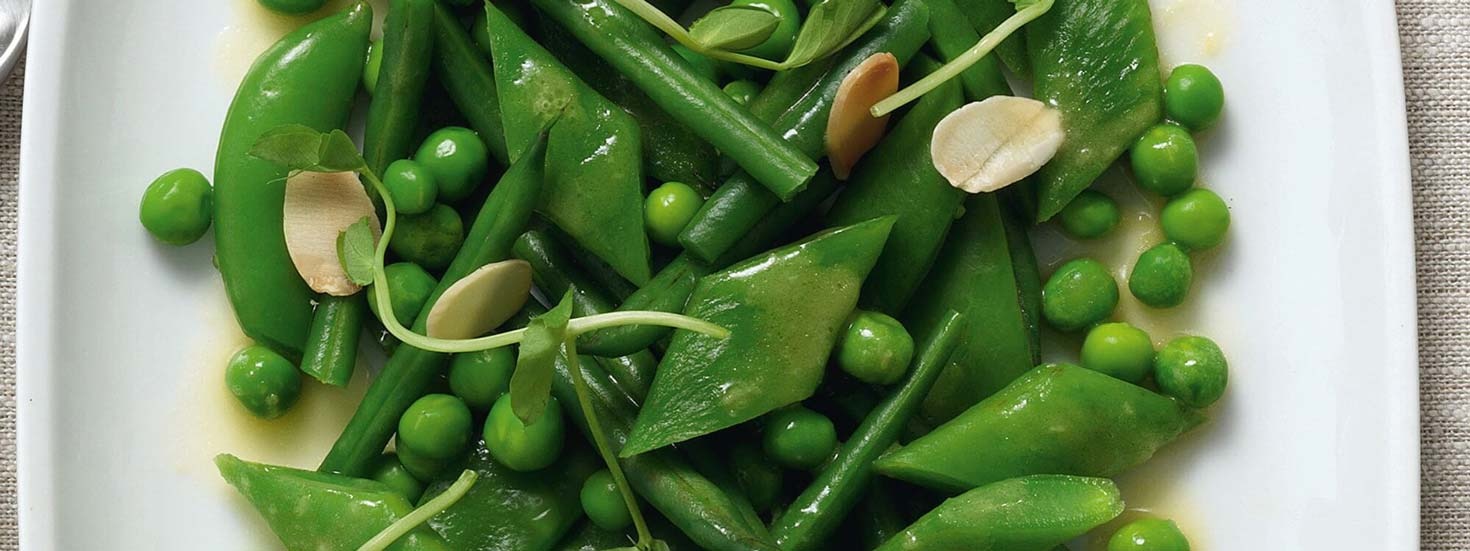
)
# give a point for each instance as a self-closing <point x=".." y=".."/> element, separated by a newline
<point x="408" y="45"/>
<point x="331" y="343"/>
<point x="634" y="49"/>
<point x="819" y="510"/>
<point x="469" y="80"/>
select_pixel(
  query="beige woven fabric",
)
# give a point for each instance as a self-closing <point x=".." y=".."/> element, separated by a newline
<point x="9" y="153"/>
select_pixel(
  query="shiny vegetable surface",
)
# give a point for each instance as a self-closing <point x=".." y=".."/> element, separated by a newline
<point x="1079" y="294"/>
<point x="1033" y="513"/>
<point x="263" y="381"/>
<point x="1165" y="160"/>
<point x="436" y="426"/>
<point x="330" y="355"/>
<point x="1196" y="220"/>
<point x="405" y="49"/>
<point x="1193" y="96"/>
<point x="799" y="438"/>
<point x="1149" y="534"/>
<point x="1162" y="276"/>
<point x="514" y="511"/>
<point x="521" y="446"/>
<point x="467" y="77"/>
<point x="178" y="207"/>
<point x="479" y="378"/>
<point x="1192" y="370"/>
<point x="874" y="348"/>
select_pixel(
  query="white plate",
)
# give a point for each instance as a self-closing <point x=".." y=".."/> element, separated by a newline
<point x="122" y="340"/>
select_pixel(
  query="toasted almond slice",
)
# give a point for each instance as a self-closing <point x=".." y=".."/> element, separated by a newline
<point x="988" y="145"/>
<point x="480" y="302"/>
<point x="319" y="206"/>
<point x="851" y="128"/>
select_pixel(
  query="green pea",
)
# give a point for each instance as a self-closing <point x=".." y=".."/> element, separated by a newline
<point x="423" y="468"/>
<point x="178" y="207"/>
<point x="875" y="348"/>
<point x="703" y="66"/>
<point x="799" y="438"/>
<point x="436" y="426"/>
<point x="1162" y="276"/>
<point x="457" y="158"/>
<point x="430" y="239"/>
<point x="524" y="447"/>
<point x="1192" y="370"/>
<point x="779" y="44"/>
<point x="409" y="287"/>
<point x="1193" y="97"/>
<point x="1165" y="160"/>
<point x="293" y="7"/>
<point x="742" y="90"/>
<point x="757" y="476"/>
<point x="1091" y="215"/>
<point x="373" y="66"/>
<point x="479" y="378"/>
<point x="1079" y="294"/>
<point x="389" y="470"/>
<point x="265" y="382"/>
<point x="668" y="209"/>
<point x="603" y="502"/>
<point x="411" y="185"/>
<point x="1148" y="535"/>
<point x="1196" y="219"/>
<point x="1120" y="350"/>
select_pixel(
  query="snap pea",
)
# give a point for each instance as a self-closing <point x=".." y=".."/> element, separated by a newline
<point x="953" y="34"/>
<point x="797" y="103"/>
<point x="633" y="48"/>
<point x="410" y="371"/>
<point x="468" y="78"/>
<point x="813" y="516"/>
<point x="331" y="343"/>
<point x="1033" y="513"/>
<point x="985" y="15"/>
<point x="310" y="78"/>
<point x="408" y="45"/>
<point x="508" y="510"/>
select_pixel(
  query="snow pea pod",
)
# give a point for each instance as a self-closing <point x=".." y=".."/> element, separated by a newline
<point x="953" y="34"/>
<point x="469" y="80"/>
<point x="331" y="344"/>
<point x="309" y="77"/>
<point x="632" y="47"/>
<point x="1034" y="513"/>
<point x="508" y="510"/>
<point x="310" y="510"/>
<point x="392" y="118"/>
<point x="784" y="310"/>
<point x="1096" y="62"/>
<point x="595" y="179"/>
<point x="986" y="15"/>
<point x="1056" y="419"/>
<point x="813" y="517"/>
<point x="410" y="372"/>
<point x="797" y="103"/>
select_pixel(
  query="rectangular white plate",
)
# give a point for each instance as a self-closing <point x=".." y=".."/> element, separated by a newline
<point x="122" y="341"/>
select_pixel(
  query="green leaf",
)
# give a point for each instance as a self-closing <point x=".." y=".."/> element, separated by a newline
<point x="530" y="385"/>
<point x="293" y="146"/>
<point x="338" y="154"/>
<point x="356" y="251"/>
<point x="735" y="28"/>
<point x="831" y="25"/>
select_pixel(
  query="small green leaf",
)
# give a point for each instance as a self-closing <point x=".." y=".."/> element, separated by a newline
<point x="293" y="146"/>
<point x="338" y="154"/>
<point x="355" y="249"/>
<point x="530" y="385"/>
<point x="831" y="25"/>
<point x="735" y="28"/>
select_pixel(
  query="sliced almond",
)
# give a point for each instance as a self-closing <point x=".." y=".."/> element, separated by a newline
<point x="480" y="302"/>
<point x="318" y="207"/>
<point x="988" y="145"/>
<point x="851" y="128"/>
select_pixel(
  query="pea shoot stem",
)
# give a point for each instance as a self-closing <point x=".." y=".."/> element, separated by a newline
<point x="645" y="538"/>
<point x="418" y="516"/>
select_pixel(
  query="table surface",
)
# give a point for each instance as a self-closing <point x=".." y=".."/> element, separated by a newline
<point x="1435" y="37"/>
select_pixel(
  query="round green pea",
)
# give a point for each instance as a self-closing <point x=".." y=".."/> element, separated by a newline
<point x="293" y="7"/>
<point x="373" y="66"/>
<point x="742" y="90"/>
<point x="1120" y="350"/>
<point x="479" y="378"/>
<point x="1079" y="294"/>
<point x="1162" y="276"/>
<point x="1090" y="215"/>
<point x="422" y="467"/>
<point x="603" y="502"/>
<point x="757" y="476"/>
<point x="1192" y="370"/>
<point x="430" y="239"/>
<point x="411" y="185"/>
<point x="457" y="158"/>
<point x="668" y="209"/>
<point x="265" y="382"/>
<point x="436" y="426"/>
<point x="178" y="207"/>
<point x="1193" y="97"/>
<point x="409" y="287"/>
<point x="390" y="471"/>
<point x="1165" y="160"/>
<point x="1196" y="219"/>
<point x="702" y="66"/>
<point x="799" y="438"/>
<point x="523" y="447"/>
<point x="875" y="348"/>
<point x="779" y="44"/>
<point x="1148" y="534"/>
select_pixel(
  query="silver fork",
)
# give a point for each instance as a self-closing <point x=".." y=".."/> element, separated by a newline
<point x="15" y="18"/>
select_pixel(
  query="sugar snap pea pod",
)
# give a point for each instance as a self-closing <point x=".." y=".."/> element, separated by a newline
<point x="310" y="78"/>
<point x="410" y="372"/>
<point x="792" y="302"/>
<point x="877" y="518"/>
<point x="975" y="275"/>
<point x="331" y="344"/>
<point x="1096" y="62"/>
<point x="813" y="517"/>
<point x="1059" y="419"/>
<point x="633" y="48"/>
<point x="985" y="15"/>
<point x="953" y="34"/>
<point x="590" y="537"/>
<point x="311" y="510"/>
<point x="1015" y="213"/>
<point x="392" y="118"/>
<point x="1033" y="513"/>
<point x="797" y="103"/>
<point x="595" y="184"/>
<point x="468" y="78"/>
<point x="508" y="510"/>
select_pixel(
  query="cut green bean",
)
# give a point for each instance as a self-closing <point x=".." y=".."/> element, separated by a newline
<point x="331" y="344"/>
